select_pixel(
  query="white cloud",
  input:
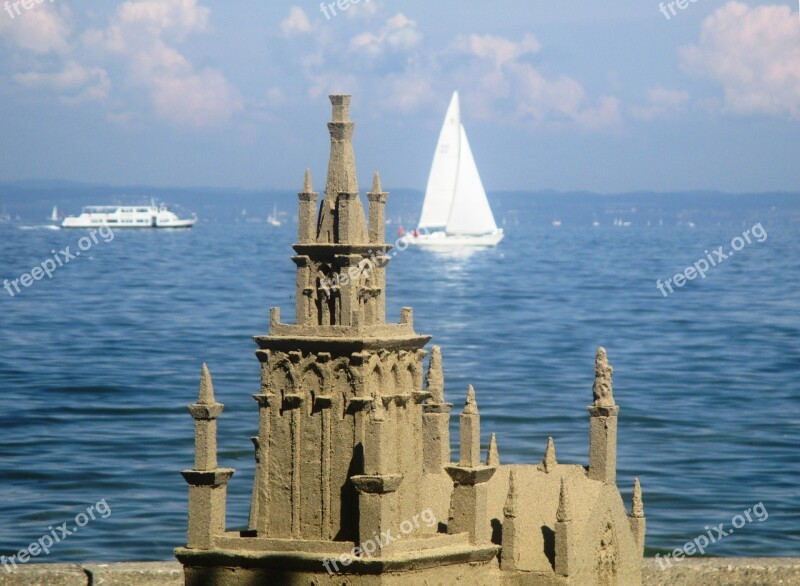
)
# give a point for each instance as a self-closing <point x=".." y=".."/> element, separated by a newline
<point x="296" y="23"/>
<point x="42" y="29"/>
<point x="141" y="37"/>
<point x="753" y="53"/>
<point x="399" y="33"/>
<point x="659" y="101"/>
<point x="362" y="9"/>
<point x="507" y="86"/>
<point x="498" y="49"/>
<point x="204" y="98"/>
<point x="407" y="72"/>
<point x="81" y="84"/>
<point x="140" y="34"/>
<point x="178" y="16"/>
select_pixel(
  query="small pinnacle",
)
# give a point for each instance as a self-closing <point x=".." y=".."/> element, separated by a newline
<point x="471" y="406"/>
<point x="562" y="514"/>
<point x="637" y="506"/>
<point x="511" y="499"/>
<point x="434" y="379"/>
<point x="205" y="395"/>
<point x="602" y="391"/>
<point x="376" y="183"/>
<point x="492" y="457"/>
<point x="307" y="187"/>
<point x="549" y="462"/>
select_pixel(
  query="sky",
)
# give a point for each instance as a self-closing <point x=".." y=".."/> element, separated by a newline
<point x="623" y="95"/>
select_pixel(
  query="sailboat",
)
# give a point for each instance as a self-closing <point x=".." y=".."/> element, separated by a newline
<point x="272" y="219"/>
<point x="54" y="217"/>
<point x="455" y="212"/>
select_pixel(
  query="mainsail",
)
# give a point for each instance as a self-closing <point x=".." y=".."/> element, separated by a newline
<point x="444" y="171"/>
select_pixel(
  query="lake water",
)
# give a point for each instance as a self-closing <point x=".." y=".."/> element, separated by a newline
<point x="98" y="363"/>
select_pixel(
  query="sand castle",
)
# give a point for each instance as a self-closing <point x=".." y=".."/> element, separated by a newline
<point x="354" y="482"/>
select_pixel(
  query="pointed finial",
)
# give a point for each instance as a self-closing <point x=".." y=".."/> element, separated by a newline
<point x="637" y="506"/>
<point x="307" y="187"/>
<point x="549" y="462"/>
<point x="492" y="456"/>
<point x="434" y="379"/>
<point x="562" y="514"/>
<point x="376" y="183"/>
<point x="511" y="499"/>
<point x="205" y="395"/>
<point x="471" y="406"/>
<point x="602" y="392"/>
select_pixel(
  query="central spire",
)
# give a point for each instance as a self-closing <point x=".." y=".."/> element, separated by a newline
<point x="340" y="224"/>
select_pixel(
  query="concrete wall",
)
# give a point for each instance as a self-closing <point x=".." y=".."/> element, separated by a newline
<point x="702" y="572"/>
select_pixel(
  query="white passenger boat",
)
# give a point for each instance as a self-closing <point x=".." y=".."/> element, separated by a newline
<point x="119" y="216"/>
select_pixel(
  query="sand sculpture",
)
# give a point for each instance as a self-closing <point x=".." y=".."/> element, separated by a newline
<point x="354" y="482"/>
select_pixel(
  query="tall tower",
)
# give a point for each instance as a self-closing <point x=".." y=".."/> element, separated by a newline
<point x="341" y="389"/>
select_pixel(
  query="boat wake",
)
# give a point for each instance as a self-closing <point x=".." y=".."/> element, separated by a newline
<point x="45" y="227"/>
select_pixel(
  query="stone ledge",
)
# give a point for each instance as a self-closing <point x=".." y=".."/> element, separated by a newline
<point x="723" y="572"/>
<point x="700" y="571"/>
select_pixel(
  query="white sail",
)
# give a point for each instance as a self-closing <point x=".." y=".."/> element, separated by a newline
<point x="442" y="179"/>
<point x="54" y="215"/>
<point x="470" y="213"/>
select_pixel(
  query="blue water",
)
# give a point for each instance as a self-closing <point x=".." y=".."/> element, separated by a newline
<point x="97" y="366"/>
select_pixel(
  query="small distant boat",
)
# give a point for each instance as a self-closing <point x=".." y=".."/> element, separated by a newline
<point x="273" y="219"/>
<point x="455" y="212"/>
<point x="4" y="217"/>
<point x="54" y="217"/>
<point x="595" y="223"/>
<point x="118" y="216"/>
<point x="556" y="223"/>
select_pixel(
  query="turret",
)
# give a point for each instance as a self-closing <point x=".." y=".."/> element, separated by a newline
<point x="637" y="520"/>
<point x="512" y="544"/>
<point x="377" y="487"/>
<point x="207" y="483"/>
<point x="603" y="423"/>
<point x="435" y="418"/>
<point x="341" y="217"/>
<point x="377" y="211"/>
<point x="549" y="461"/>
<point x="492" y="455"/>
<point x="469" y="503"/>
<point x="565" y="534"/>
<point x="307" y="202"/>
<point x="470" y="432"/>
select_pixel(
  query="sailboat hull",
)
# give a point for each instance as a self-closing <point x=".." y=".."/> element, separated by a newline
<point x="442" y="239"/>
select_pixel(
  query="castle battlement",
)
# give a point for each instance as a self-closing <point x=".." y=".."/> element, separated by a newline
<point x="354" y="481"/>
